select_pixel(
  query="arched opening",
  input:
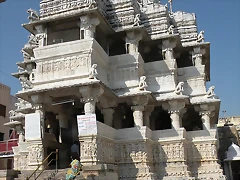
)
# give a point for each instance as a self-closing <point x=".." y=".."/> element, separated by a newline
<point x="123" y="117"/>
<point x="192" y="120"/>
<point x="161" y="119"/>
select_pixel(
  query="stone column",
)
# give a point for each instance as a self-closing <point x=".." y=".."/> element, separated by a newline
<point x="206" y="112"/>
<point x="138" y="115"/>
<point x="20" y="131"/>
<point x="175" y="108"/>
<point x="147" y="114"/>
<point x="108" y="116"/>
<point x="39" y="108"/>
<point x="132" y="42"/>
<point x="167" y="49"/>
<point x="88" y="26"/>
<point x="90" y="97"/>
<point x="197" y="54"/>
<point x="139" y="103"/>
<point x="41" y="35"/>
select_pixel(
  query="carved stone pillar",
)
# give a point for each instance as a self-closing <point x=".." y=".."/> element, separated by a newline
<point x="206" y="112"/>
<point x="138" y="115"/>
<point x="90" y="97"/>
<point x="108" y="116"/>
<point x="39" y="108"/>
<point x="139" y="102"/>
<point x="167" y="49"/>
<point x="197" y="54"/>
<point x="132" y="42"/>
<point x="147" y="114"/>
<point x="41" y="35"/>
<point x="108" y="110"/>
<point x="20" y="131"/>
<point x="88" y="26"/>
<point x="175" y="108"/>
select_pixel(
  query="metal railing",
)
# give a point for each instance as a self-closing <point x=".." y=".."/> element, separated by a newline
<point x="56" y="168"/>
<point x="6" y="146"/>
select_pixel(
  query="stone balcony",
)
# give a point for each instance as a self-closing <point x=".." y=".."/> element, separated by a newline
<point x="69" y="61"/>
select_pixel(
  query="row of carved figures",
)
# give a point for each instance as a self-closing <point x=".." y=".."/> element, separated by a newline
<point x="178" y="90"/>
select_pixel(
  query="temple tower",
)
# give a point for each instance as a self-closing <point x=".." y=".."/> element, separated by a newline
<point x="139" y="69"/>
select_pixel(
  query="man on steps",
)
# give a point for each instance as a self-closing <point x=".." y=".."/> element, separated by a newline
<point x="75" y="151"/>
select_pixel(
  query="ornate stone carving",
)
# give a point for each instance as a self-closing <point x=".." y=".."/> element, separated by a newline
<point x="171" y="29"/>
<point x="210" y="92"/>
<point x="175" y="109"/>
<point x="137" y="20"/>
<point x="26" y="84"/>
<point x="90" y="97"/>
<point x="33" y="40"/>
<point x="179" y="88"/>
<point x="33" y="15"/>
<point x="12" y="113"/>
<point x="93" y="72"/>
<point x="36" y="154"/>
<point x="200" y="37"/>
<point x="26" y="55"/>
<point x="142" y="83"/>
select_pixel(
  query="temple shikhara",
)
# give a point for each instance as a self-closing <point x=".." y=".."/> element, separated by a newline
<point x="125" y="78"/>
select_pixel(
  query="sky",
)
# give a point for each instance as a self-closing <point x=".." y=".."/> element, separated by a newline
<point x="220" y="19"/>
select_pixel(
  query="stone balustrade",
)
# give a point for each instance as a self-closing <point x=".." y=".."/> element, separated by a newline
<point x="140" y="146"/>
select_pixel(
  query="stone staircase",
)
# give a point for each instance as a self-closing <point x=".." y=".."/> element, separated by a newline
<point x="46" y="175"/>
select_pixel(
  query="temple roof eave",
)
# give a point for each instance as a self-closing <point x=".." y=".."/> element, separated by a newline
<point x="18" y="74"/>
<point x="23" y="64"/>
<point x="104" y="23"/>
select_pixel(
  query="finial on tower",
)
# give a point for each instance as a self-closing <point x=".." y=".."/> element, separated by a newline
<point x="170" y="2"/>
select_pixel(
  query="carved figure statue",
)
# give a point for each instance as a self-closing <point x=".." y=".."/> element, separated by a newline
<point x="179" y="88"/>
<point x="33" y="40"/>
<point x="26" y="56"/>
<point x="171" y="29"/>
<point x="93" y="72"/>
<point x="137" y="20"/>
<point x="33" y="15"/>
<point x="200" y="37"/>
<point x="90" y="3"/>
<point x="142" y="84"/>
<point x="26" y="84"/>
<point x="210" y="92"/>
<point x="12" y="113"/>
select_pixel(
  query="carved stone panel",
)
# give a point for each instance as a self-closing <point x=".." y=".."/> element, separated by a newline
<point x="61" y="68"/>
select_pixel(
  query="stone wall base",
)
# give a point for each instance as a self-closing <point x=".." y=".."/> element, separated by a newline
<point x="100" y="171"/>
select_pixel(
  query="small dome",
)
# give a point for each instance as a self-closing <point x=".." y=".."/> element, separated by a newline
<point x="233" y="152"/>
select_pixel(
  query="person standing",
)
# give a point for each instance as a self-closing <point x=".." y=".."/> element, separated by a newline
<point x="75" y="151"/>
